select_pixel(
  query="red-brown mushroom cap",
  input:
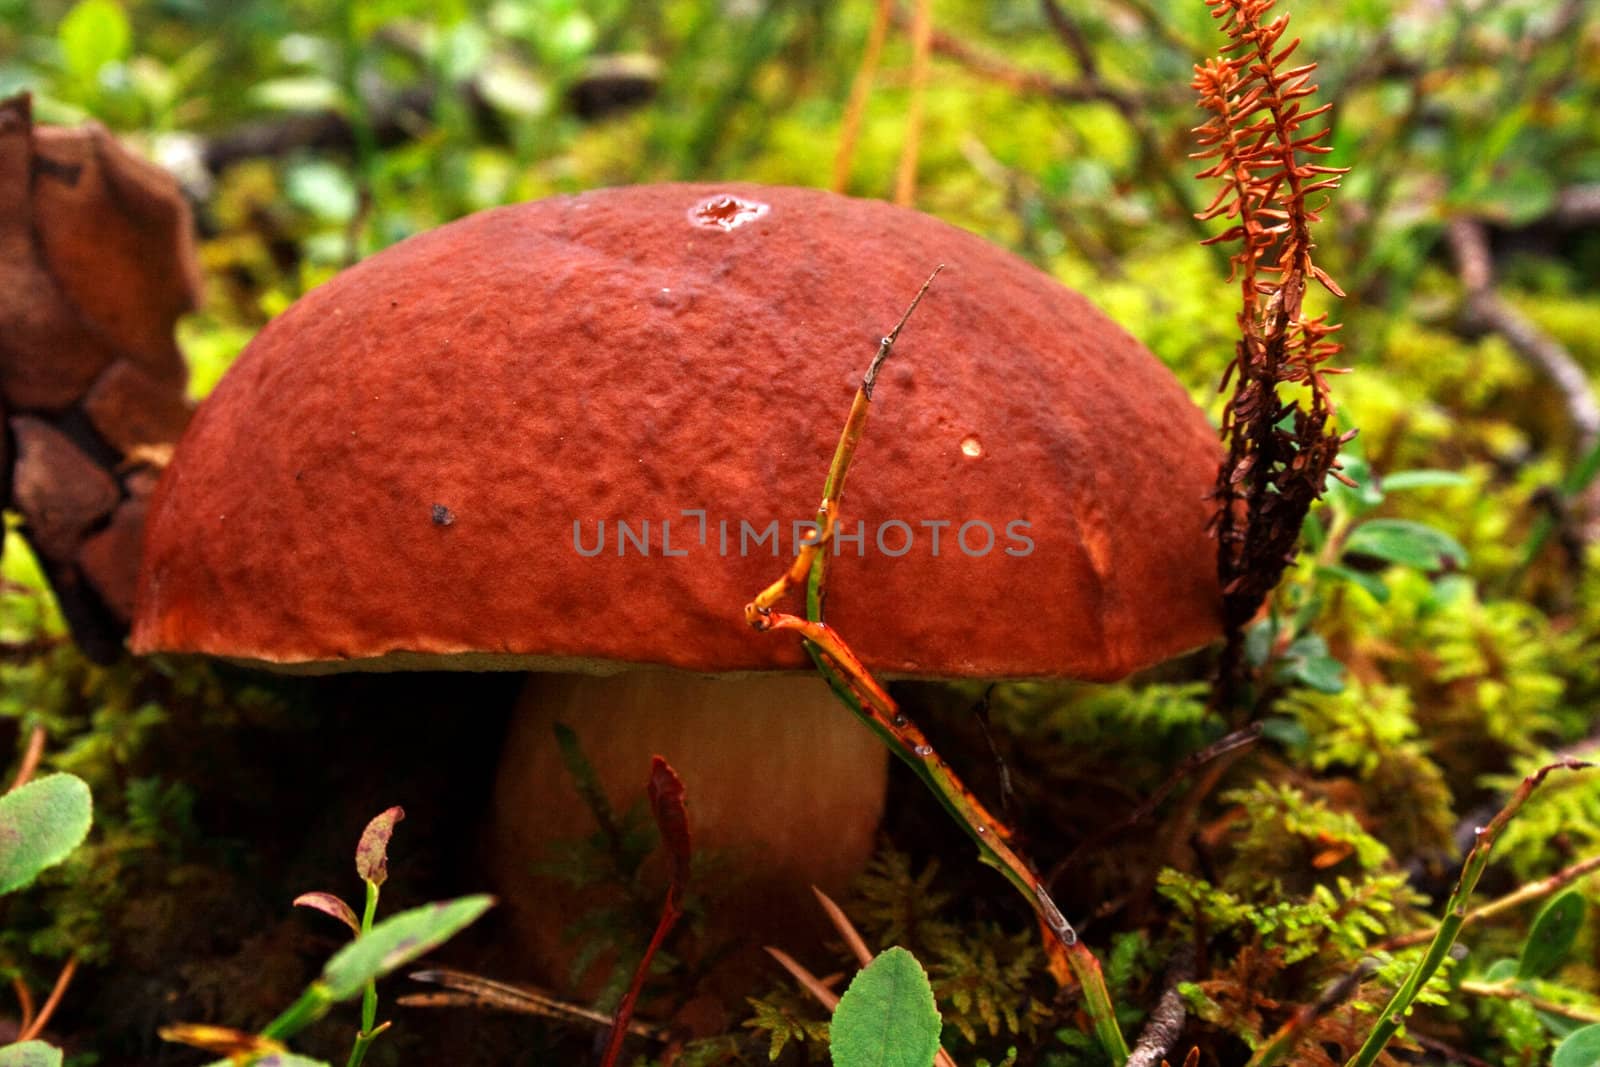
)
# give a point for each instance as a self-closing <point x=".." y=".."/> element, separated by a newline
<point x="393" y="469"/>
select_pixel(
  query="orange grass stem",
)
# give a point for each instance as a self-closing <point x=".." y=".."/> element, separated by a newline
<point x="860" y="91"/>
<point x="871" y="703"/>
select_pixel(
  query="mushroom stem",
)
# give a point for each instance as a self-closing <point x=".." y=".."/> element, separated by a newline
<point x="784" y="792"/>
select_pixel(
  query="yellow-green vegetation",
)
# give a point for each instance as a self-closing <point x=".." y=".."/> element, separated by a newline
<point x="1437" y="640"/>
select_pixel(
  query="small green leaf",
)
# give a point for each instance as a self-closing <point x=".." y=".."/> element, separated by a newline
<point x="397" y="941"/>
<point x="324" y="189"/>
<point x="1322" y="673"/>
<point x="30" y="1054"/>
<point x="40" y="824"/>
<point x="1501" y="970"/>
<point x="1552" y="935"/>
<point x="277" y="1059"/>
<point x="887" y="1018"/>
<point x="92" y="34"/>
<point x="1408" y="543"/>
<point x="1285" y="731"/>
<point x="1582" y="1049"/>
<point x="1374" y="585"/>
<point x="307" y="93"/>
<point x="1400" y="481"/>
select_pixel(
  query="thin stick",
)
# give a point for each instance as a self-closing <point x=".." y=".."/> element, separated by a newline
<point x="871" y="703"/>
<point x="1394" y="1012"/>
<point x="1288" y="1036"/>
<point x="1469" y="245"/>
<point x="53" y="1001"/>
<point x="473" y="990"/>
<point x="1506" y="991"/>
<point x="24" y="1003"/>
<point x="1187" y="766"/>
<point x="30" y="758"/>
<point x="1165" y="1025"/>
<point x="847" y="930"/>
<point x="905" y="184"/>
<point x="860" y="92"/>
<point x="1517" y="897"/>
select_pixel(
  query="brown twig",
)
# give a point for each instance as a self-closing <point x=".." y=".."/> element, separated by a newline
<point x="1165" y="1025"/>
<point x="1485" y="310"/>
<point x="818" y="988"/>
<point x="1452" y="1054"/>
<point x="1532" y="891"/>
<point x="53" y="1001"/>
<point x="1027" y="82"/>
<point x="855" y="686"/>
<point x="24" y="1003"/>
<point x="1507" y="991"/>
<point x="466" y="990"/>
<point x="1277" y="1048"/>
<point x="1190" y="763"/>
<point x="30" y="758"/>
<point x="1067" y="28"/>
<point x="1470" y="247"/>
<point x="847" y="929"/>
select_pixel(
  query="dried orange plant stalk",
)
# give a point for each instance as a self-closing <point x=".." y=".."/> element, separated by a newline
<point x="1282" y="445"/>
<point x="859" y="691"/>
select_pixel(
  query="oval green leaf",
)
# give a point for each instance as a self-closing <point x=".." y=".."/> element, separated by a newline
<point x="887" y="1018"/>
<point x="1552" y="935"/>
<point x="40" y="824"/>
<point x="1410" y="544"/>
<point x="92" y="34"/>
<point x="397" y="941"/>
<point x="30" y="1054"/>
<point x="1582" y="1049"/>
<point x="1423" y="479"/>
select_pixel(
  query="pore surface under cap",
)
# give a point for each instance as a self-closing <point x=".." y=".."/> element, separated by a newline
<point x="395" y="465"/>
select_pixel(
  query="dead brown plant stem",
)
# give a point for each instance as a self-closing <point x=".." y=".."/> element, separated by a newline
<point x="53" y="1001"/>
<point x="1506" y="991"/>
<point x="1066" y="28"/>
<point x="1281" y="1045"/>
<point x="1485" y="310"/>
<point x="1515" y="899"/>
<point x="905" y="184"/>
<point x="860" y="93"/>
<point x="30" y="758"/>
<point x="1452" y="1055"/>
<point x="24" y="1003"/>
<point x="1165" y="1026"/>
<point x="1195" y="760"/>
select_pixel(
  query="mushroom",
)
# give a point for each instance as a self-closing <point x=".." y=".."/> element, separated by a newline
<point x="573" y="437"/>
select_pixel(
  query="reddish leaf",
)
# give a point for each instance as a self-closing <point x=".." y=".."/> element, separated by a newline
<point x="372" y="854"/>
<point x="666" y="802"/>
<point x="329" y="904"/>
